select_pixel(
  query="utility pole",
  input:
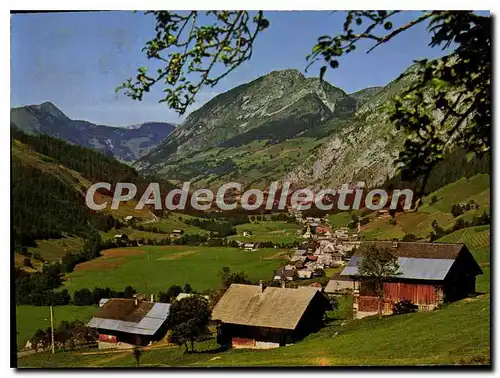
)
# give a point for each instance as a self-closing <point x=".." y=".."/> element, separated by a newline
<point x="52" y="328"/>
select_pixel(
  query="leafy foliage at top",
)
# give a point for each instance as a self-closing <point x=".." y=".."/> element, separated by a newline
<point x="449" y="103"/>
<point x="377" y="265"/>
<point x="222" y="38"/>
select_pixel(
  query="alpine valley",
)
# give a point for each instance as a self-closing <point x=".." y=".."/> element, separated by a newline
<point x="280" y="126"/>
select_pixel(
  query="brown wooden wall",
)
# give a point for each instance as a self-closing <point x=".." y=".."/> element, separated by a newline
<point x="367" y="303"/>
<point x="242" y="342"/>
<point x="421" y="294"/>
<point x="107" y="338"/>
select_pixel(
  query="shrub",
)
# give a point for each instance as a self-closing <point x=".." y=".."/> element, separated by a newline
<point x="404" y="307"/>
<point x="409" y="238"/>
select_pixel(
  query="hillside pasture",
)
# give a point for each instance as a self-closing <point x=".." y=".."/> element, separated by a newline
<point x="151" y="269"/>
<point x="420" y="222"/>
<point x="273" y="231"/>
<point x="459" y="333"/>
<point x="54" y="249"/>
<point x="31" y="318"/>
<point x="460" y="191"/>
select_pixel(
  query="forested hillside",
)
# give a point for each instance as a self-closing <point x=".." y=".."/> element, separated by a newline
<point x="49" y="182"/>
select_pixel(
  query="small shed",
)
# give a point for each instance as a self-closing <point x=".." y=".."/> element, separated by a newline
<point x="177" y="233"/>
<point x="304" y="274"/>
<point x="250" y="246"/>
<point x="429" y="274"/>
<point x="339" y="284"/>
<point x="125" y="322"/>
<point x="250" y="316"/>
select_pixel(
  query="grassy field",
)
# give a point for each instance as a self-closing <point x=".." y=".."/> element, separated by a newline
<point x="420" y="222"/>
<point x="31" y="318"/>
<point x="54" y="249"/>
<point x="154" y="268"/>
<point x="176" y="221"/>
<point x="460" y="191"/>
<point x="273" y="231"/>
<point x="448" y="336"/>
<point x="477" y="240"/>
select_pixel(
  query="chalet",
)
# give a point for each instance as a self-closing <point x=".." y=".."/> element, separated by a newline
<point x="251" y="316"/>
<point x="316" y="285"/>
<point x="250" y="246"/>
<point x="311" y="258"/>
<point x="339" y="284"/>
<point x="325" y="231"/>
<point x="122" y="323"/>
<point x="299" y="264"/>
<point x="176" y="233"/>
<point x="429" y="274"/>
<point x="285" y="273"/>
<point x="304" y="274"/>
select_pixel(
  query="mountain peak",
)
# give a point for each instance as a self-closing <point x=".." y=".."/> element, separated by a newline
<point x="53" y="110"/>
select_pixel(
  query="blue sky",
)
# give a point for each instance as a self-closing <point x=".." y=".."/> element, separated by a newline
<point x="76" y="60"/>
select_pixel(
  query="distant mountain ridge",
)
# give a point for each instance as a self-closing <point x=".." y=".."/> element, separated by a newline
<point x="126" y="144"/>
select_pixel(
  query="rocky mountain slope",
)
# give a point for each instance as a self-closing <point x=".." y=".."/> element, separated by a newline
<point x="284" y="126"/>
<point x="364" y="148"/>
<point x="126" y="144"/>
<point x="251" y="127"/>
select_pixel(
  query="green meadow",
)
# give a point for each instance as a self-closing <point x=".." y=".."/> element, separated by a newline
<point x="447" y="336"/>
<point x="273" y="231"/>
<point x="31" y="318"/>
<point x="151" y="269"/>
<point x="419" y="223"/>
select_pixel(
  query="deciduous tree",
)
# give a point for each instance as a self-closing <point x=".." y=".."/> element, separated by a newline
<point x="376" y="266"/>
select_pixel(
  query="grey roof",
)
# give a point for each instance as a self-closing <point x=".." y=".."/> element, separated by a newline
<point x="410" y="268"/>
<point x="148" y="325"/>
<point x="103" y="301"/>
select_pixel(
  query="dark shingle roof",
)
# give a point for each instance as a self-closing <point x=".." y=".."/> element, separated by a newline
<point x="124" y="309"/>
<point x="275" y="307"/>
<point x="418" y="249"/>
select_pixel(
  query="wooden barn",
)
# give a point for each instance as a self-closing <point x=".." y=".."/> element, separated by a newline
<point x="126" y="322"/>
<point x="429" y="274"/>
<point x="251" y="316"/>
<point x="339" y="284"/>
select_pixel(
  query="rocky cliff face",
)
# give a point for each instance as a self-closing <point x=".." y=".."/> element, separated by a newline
<point x="276" y="107"/>
<point x="364" y="148"/>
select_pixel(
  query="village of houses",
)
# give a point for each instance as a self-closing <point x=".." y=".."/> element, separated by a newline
<point x="256" y="316"/>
